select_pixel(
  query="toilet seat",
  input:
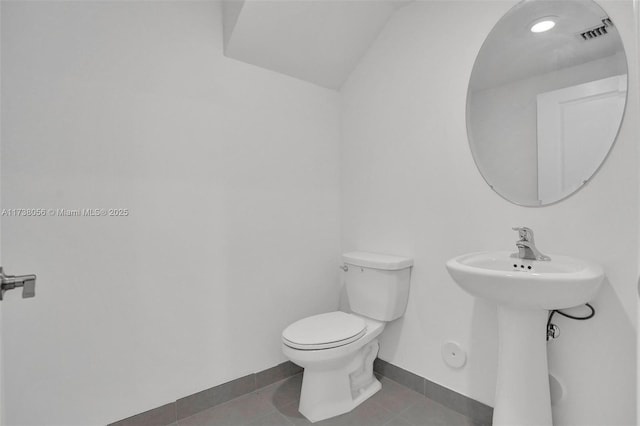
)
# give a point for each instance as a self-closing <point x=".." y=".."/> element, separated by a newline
<point x="324" y="331"/>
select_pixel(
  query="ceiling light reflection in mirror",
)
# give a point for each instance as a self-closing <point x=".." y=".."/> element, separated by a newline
<point x="544" y="108"/>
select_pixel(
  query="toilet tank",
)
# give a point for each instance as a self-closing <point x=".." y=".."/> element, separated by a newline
<point x="377" y="284"/>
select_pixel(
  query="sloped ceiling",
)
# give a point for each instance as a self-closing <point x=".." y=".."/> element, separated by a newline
<point x="320" y="41"/>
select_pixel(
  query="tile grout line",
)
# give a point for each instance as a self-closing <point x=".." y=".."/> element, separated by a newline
<point x="479" y="413"/>
<point x="405" y="409"/>
<point x="281" y="372"/>
<point x="476" y="411"/>
<point x="273" y="409"/>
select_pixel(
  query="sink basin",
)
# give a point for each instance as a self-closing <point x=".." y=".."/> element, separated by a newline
<point x="525" y="291"/>
<point x="561" y="282"/>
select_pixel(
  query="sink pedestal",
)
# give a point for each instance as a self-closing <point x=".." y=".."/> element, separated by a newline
<point x="522" y="389"/>
<point x="525" y="290"/>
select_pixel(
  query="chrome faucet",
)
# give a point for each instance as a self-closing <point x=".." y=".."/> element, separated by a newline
<point x="526" y="245"/>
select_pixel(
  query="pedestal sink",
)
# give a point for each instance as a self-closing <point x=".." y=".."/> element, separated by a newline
<point x="525" y="290"/>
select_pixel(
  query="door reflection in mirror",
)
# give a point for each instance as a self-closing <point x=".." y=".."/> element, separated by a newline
<point x="532" y="142"/>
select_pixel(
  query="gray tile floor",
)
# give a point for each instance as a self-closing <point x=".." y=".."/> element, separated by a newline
<point x="277" y="405"/>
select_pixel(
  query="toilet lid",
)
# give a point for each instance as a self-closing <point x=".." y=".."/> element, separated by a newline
<point x="324" y="331"/>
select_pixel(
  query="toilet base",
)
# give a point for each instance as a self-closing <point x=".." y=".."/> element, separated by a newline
<point x="328" y="392"/>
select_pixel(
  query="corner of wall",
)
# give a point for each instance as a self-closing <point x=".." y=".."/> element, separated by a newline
<point x="230" y="13"/>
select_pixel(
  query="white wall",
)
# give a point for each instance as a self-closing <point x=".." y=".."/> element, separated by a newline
<point x="636" y="7"/>
<point x="410" y="187"/>
<point x="231" y="175"/>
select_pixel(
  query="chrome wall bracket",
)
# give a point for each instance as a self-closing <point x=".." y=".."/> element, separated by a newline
<point x="9" y="282"/>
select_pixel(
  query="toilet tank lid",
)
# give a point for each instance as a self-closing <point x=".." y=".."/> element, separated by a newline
<point x="377" y="260"/>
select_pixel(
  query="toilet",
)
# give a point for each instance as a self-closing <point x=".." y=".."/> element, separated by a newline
<point x="337" y="349"/>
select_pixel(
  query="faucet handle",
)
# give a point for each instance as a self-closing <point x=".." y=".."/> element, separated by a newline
<point x="29" y="287"/>
<point x="524" y="233"/>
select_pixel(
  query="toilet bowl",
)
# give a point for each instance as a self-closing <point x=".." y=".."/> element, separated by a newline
<point x="338" y="375"/>
<point x="337" y="349"/>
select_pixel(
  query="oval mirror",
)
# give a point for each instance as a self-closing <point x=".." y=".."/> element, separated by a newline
<point x="545" y="99"/>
